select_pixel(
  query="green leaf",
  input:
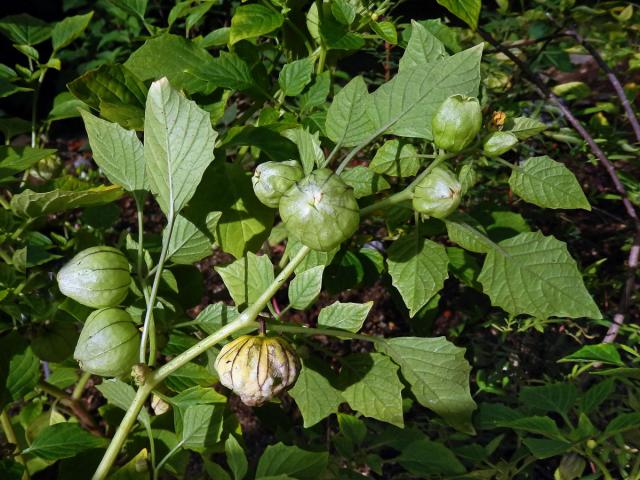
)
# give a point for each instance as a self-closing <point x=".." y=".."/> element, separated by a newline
<point x="343" y="11"/>
<point x="466" y="10"/>
<point x="386" y="31"/>
<point x="8" y="88"/>
<point x="364" y="181"/>
<point x="545" y="448"/>
<point x="547" y="184"/>
<point x="189" y="375"/>
<point x="623" y="423"/>
<point x="405" y="105"/>
<point x="121" y="395"/>
<point x="245" y="222"/>
<point x="196" y="395"/>
<point x="134" y="7"/>
<point x="596" y="395"/>
<point x="118" y="152"/>
<point x="34" y="204"/>
<point x="305" y="288"/>
<point x="313" y="259"/>
<point x="347" y="121"/>
<point x="17" y="159"/>
<point x="115" y="92"/>
<point x="425" y="458"/>
<point x="178" y="145"/>
<point x="236" y="458"/>
<point x="214" y="316"/>
<point x="418" y="269"/>
<point x="275" y="145"/>
<point x="311" y="154"/>
<point x="281" y="459"/>
<point x="541" y="425"/>
<point x="188" y="66"/>
<point x="533" y="274"/>
<point x="602" y="352"/>
<point x="201" y="426"/>
<point x="131" y="470"/>
<point x="247" y="278"/>
<point x="558" y="397"/>
<point x="396" y="159"/>
<point x="438" y="374"/>
<point x="523" y="127"/>
<point x="295" y="76"/>
<point x="65" y="105"/>
<point x="422" y="49"/>
<point x="24" y="29"/>
<point x="66" y="31"/>
<point x="315" y="396"/>
<point x="468" y="233"/>
<point x="253" y="20"/>
<point x="63" y="440"/>
<point x="374" y="388"/>
<point x="346" y="316"/>
<point x="317" y="93"/>
<point x="187" y="244"/>
<point x="19" y="369"/>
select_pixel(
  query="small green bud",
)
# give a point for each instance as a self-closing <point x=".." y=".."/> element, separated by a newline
<point x="571" y="467"/>
<point x="272" y="179"/>
<point x="320" y="210"/>
<point x="257" y="368"/>
<point x="498" y="143"/>
<point x="438" y="194"/>
<point x="456" y="123"/>
<point x="108" y="344"/>
<point x="591" y="444"/>
<point x="96" y="277"/>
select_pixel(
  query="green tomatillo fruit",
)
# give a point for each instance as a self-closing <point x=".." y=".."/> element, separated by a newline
<point x="320" y="210"/>
<point x="456" y="123"/>
<point x="257" y="367"/>
<point x="272" y="179"/>
<point x="438" y="194"/>
<point x="97" y="277"/>
<point x="498" y="143"/>
<point x="109" y="343"/>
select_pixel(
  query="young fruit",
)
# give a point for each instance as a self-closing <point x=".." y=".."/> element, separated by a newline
<point x="97" y="277"/>
<point x="108" y="344"/>
<point x="456" y="123"/>
<point x="498" y="143"/>
<point x="272" y="179"/>
<point x="320" y="210"/>
<point x="257" y="368"/>
<point x="438" y="194"/>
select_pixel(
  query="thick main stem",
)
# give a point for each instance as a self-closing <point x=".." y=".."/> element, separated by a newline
<point x="245" y="319"/>
<point x="5" y="421"/>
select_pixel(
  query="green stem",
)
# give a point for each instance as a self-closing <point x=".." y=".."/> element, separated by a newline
<point x="166" y="458"/>
<point x="5" y="256"/>
<point x="5" y="421"/>
<point x="601" y="466"/>
<point x="245" y="319"/>
<point x="322" y="58"/>
<point x="331" y="332"/>
<point x="5" y="204"/>
<point x="79" y="388"/>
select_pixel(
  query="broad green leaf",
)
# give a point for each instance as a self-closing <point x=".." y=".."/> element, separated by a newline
<point x="63" y="440"/>
<point x="545" y="448"/>
<point x="623" y="423"/>
<point x="311" y="154"/>
<point x="313" y="259"/>
<point x="178" y="145"/>
<point x="247" y="278"/>
<point x="464" y="266"/>
<point x="118" y="152"/>
<point x="19" y="369"/>
<point x="535" y="275"/>
<point x="201" y="426"/>
<point x="66" y="31"/>
<point x="422" y="49"/>
<point x="197" y="396"/>
<point x="8" y="88"/>
<point x="396" y="159"/>
<point x="295" y="76"/>
<point x="24" y="29"/>
<point x="596" y="395"/>
<point x="281" y="459"/>
<point x="418" y="269"/>
<point x="523" y="127"/>
<point x="540" y="425"/>
<point x="236" y="458"/>
<point x="364" y="181"/>
<point x="188" y="66"/>
<point x="317" y="93"/>
<point x="276" y="146"/>
<point x="385" y="30"/>
<point x="438" y="374"/>
<point x="121" y="395"/>
<point x="115" y="92"/>
<point x="346" y="316"/>
<point x="135" y="7"/>
<point x="405" y="105"/>
<point x="187" y="244"/>
<point x="253" y="20"/>
<point x="131" y="470"/>
<point x="468" y="233"/>
<point x="490" y="415"/>
<point x="17" y="159"/>
<point x="558" y="397"/>
<point x="330" y="32"/>
<point x="352" y="428"/>
<point x="34" y="204"/>
<point x="12" y="126"/>
<point x="347" y="121"/>
<point x="343" y="11"/>
<point x="425" y="458"/>
<point x="315" y="396"/>
<point x="11" y="470"/>
<point x="374" y="388"/>
<point x="65" y="105"/>
<point x="602" y="352"/>
<point x="547" y="184"/>
<point x="245" y="222"/>
<point x="466" y="10"/>
<point x="305" y="288"/>
<point x="214" y="316"/>
<point x="190" y="375"/>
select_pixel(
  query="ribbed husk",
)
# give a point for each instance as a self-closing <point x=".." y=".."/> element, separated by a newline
<point x="257" y="368"/>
